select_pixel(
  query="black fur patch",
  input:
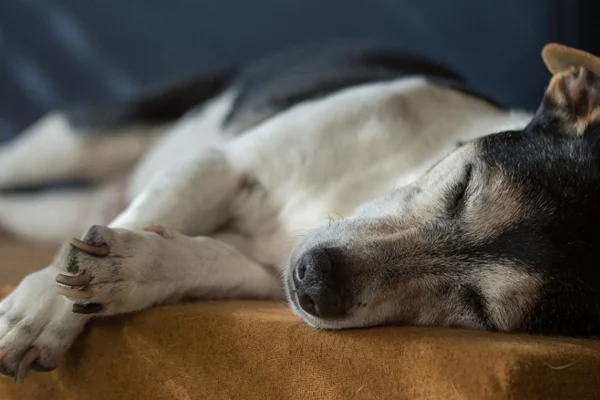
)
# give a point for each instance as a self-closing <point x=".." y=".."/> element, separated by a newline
<point x="279" y="82"/>
<point x="161" y="105"/>
<point x="269" y="86"/>
<point x="557" y="177"/>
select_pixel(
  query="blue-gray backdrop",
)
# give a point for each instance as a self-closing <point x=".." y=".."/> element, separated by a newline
<point x="56" y="52"/>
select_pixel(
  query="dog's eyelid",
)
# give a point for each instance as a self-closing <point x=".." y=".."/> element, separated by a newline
<point x="468" y="173"/>
<point x="458" y="201"/>
<point x="465" y="181"/>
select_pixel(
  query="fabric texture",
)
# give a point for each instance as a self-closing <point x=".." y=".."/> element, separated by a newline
<point x="259" y="350"/>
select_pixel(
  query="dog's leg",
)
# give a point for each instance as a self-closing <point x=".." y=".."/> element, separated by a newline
<point x="51" y="150"/>
<point x="54" y="215"/>
<point x="36" y="326"/>
<point x="122" y="271"/>
<point x="140" y="268"/>
<point x="193" y="196"/>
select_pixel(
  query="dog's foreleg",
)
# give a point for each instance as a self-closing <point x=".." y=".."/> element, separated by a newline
<point x="123" y="269"/>
<point x="116" y="271"/>
<point x="52" y="150"/>
<point x="193" y="196"/>
<point x="137" y="269"/>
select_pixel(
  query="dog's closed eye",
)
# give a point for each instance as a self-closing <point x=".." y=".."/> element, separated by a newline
<point x="457" y="193"/>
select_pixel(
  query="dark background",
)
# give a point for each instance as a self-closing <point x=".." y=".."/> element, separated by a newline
<point x="57" y="52"/>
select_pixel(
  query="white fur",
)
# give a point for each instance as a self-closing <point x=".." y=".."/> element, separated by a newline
<point x="318" y="160"/>
<point x="51" y="215"/>
<point x="50" y="150"/>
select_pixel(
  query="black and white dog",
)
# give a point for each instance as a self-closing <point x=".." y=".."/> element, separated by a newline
<point x="363" y="183"/>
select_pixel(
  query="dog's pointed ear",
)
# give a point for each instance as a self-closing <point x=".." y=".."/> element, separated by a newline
<point x="559" y="58"/>
<point x="573" y="94"/>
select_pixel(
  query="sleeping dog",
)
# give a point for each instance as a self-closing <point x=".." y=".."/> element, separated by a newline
<point x="366" y="185"/>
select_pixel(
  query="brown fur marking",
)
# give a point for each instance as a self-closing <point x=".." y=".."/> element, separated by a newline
<point x="575" y="93"/>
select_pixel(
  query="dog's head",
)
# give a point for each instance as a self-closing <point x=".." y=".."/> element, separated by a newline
<point x="502" y="234"/>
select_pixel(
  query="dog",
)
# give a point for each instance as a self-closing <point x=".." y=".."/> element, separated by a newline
<point x="367" y="186"/>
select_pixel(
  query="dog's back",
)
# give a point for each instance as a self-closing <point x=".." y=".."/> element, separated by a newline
<point x="264" y="88"/>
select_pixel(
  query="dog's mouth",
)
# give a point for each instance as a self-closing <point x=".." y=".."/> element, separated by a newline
<point x="349" y="320"/>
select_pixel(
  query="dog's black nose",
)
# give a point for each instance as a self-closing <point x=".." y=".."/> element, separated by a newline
<point x="316" y="290"/>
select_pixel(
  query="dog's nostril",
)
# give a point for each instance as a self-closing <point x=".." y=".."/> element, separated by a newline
<point x="310" y="268"/>
<point x="301" y="271"/>
<point x="306" y="303"/>
<point x="298" y="276"/>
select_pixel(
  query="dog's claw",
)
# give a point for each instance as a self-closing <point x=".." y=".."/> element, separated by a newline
<point x="74" y="293"/>
<point x="23" y="368"/>
<point x="73" y="281"/>
<point x="89" y="308"/>
<point x="98" y="250"/>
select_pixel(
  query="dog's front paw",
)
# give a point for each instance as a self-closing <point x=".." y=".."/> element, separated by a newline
<point x="112" y="271"/>
<point x="36" y="326"/>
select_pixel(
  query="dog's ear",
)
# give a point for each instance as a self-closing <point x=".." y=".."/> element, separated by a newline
<point x="573" y="94"/>
<point x="559" y="58"/>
